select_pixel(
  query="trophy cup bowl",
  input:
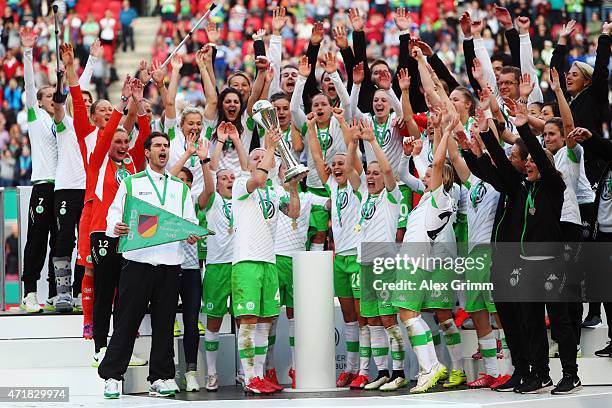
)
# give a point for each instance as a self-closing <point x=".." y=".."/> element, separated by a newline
<point x="265" y="116"/>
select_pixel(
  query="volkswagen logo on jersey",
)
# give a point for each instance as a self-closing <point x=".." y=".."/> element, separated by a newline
<point x="269" y="208"/>
<point x="386" y="138"/>
<point x="368" y="213"/>
<point x="327" y="142"/>
<point x="343" y="199"/>
<point x="227" y="210"/>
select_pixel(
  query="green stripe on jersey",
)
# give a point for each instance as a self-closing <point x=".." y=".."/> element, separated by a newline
<point x="31" y="115"/>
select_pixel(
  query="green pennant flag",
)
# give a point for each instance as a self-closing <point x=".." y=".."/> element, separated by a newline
<point x="150" y="226"/>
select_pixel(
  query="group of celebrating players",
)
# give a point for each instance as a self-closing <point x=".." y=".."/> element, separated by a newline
<point x="497" y="167"/>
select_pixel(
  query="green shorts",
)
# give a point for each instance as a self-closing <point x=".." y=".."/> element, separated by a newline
<point x="217" y="289"/>
<point x="346" y="276"/>
<point x="478" y="270"/>
<point x="255" y="289"/>
<point x="378" y="302"/>
<point x="284" y="266"/>
<point x="410" y="296"/>
<point x="319" y="216"/>
<point x="405" y="205"/>
<point x="441" y="297"/>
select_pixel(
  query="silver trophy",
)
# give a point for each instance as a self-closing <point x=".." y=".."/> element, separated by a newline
<point x="265" y="116"/>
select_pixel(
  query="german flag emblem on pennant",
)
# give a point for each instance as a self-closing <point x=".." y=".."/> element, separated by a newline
<point x="147" y="225"/>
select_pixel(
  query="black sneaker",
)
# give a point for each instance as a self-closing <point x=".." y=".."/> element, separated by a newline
<point x="535" y="385"/>
<point x="515" y="381"/>
<point x="569" y="384"/>
<point x="605" y="352"/>
<point x="592" y="322"/>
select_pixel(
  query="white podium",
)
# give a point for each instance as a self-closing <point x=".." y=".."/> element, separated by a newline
<point x="315" y="345"/>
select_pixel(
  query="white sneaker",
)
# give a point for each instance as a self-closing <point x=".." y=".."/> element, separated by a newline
<point x="212" y="382"/>
<point x="50" y="304"/>
<point x="192" y="382"/>
<point x="553" y="350"/>
<point x="98" y="357"/>
<point x="426" y="381"/>
<point x="376" y="383"/>
<point x="160" y="389"/>
<point x="394" y="385"/>
<point x="30" y="303"/>
<point x="63" y="304"/>
<point x="137" y="361"/>
<point x="112" y="389"/>
<point x="173" y="385"/>
<point x="77" y="303"/>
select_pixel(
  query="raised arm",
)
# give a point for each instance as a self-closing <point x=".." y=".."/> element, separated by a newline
<point x="330" y="64"/>
<point x="82" y="127"/>
<point x="315" y="149"/>
<point x="483" y="56"/>
<point x="439" y="159"/>
<point x="144" y="127"/>
<point x="190" y="150"/>
<point x="367" y="135"/>
<point x="347" y="54"/>
<point x="312" y="53"/>
<point x="458" y="162"/>
<point x="28" y="40"/>
<point x="262" y="65"/>
<point x="95" y="53"/>
<point x="437" y="65"/>
<point x="275" y="49"/>
<point x="234" y="136"/>
<point x="564" y="108"/>
<point x="599" y="82"/>
<point x="527" y="65"/>
<point x="412" y="147"/>
<point x="358" y="75"/>
<point x="298" y="117"/>
<point x="209" y="182"/>
<point x="408" y="114"/>
<point x="559" y="55"/>
<point x="204" y="61"/>
<point x="293" y="209"/>
<point x="177" y="64"/>
<point x="426" y="80"/>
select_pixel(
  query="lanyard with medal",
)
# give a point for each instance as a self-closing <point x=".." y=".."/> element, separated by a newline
<point x="264" y="206"/>
<point x="367" y="206"/>
<point x="531" y="199"/>
<point x="380" y="135"/>
<point x="323" y="138"/>
<point x="162" y="199"/>
<point x="230" y="215"/>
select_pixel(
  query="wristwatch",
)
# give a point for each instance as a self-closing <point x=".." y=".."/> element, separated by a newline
<point x="206" y="160"/>
<point x="124" y="98"/>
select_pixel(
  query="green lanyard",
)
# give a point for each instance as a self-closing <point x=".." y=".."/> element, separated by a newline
<point x="474" y="193"/>
<point x="162" y="200"/>
<point x="228" y="213"/>
<point x="264" y="207"/>
<point x="380" y="135"/>
<point x="367" y="206"/>
<point x="531" y="199"/>
<point x="323" y="139"/>
<point x="287" y="135"/>
<point x="339" y="203"/>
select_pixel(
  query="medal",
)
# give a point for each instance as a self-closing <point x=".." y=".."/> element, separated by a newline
<point x="530" y="201"/>
<point x="230" y="230"/>
<point x="357" y="228"/>
<point x="294" y="224"/>
<point x="532" y="211"/>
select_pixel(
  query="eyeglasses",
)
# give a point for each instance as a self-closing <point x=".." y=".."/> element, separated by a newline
<point x="506" y="83"/>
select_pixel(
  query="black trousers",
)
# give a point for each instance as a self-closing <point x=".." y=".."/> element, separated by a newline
<point x="41" y="227"/>
<point x="510" y="314"/>
<point x="141" y="284"/>
<point x="572" y="237"/>
<point x="605" y="237"/>
<point x="107" y="269"/>
<point x="68" y="207"/>
<point x="191" y="295"/>
<point x="538" y="275"/>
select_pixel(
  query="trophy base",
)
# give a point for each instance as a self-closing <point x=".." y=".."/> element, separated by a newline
<point x="295" y="172"/>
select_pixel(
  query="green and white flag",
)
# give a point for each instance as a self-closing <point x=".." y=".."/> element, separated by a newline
<point x="151" y="226"/>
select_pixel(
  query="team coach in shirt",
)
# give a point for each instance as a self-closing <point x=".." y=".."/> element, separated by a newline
<point x="149" y="275"/>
